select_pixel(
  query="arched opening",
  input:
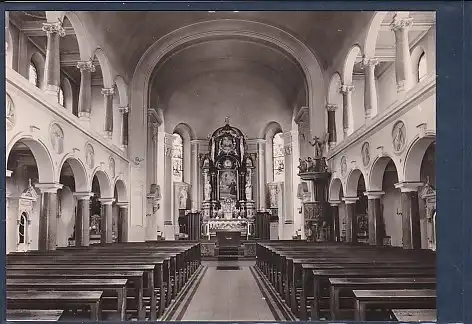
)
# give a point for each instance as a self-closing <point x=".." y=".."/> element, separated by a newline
<point x="95" y="212"/>
<point x="100" y="224"/>
<point x="353" y="76"/>
<point x="278" y="157"/>
<point x="427" y="198"/>
<point x="269" y="133"/>
<point x="23" y="233"/>
<point x="384" y="176"/>
<point x="356" y="187"/>
<point x="335" y="98"/>
<point x="177" y="158"/>
<point x="33" y="75"/>
<point x="120" y="213"/>
<point x="28" y="162"/>
<point x="422" y="67"/>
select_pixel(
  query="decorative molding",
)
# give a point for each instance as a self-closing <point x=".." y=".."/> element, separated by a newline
<point x="55" y="27"/>
<point x="365" y="153"/>
<point x="409" y="186"/>
<point x="399" y="137"/>
<point x="374" y="194"/>
<point x="345" y="88"/>
<point x="399" y="23"/>
<point x="108" y="92"/>
<point x="366" y="62"/>
<point x="86" y="66"/>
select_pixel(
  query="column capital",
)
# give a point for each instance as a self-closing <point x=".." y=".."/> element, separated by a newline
<point x="8" y="173"/>
<point x="83" y="195"/>
<point x="106" y="201"/>
<point x="346" y="88"/>
<point x="400" y="23"/>
<point x="366" y="61"/>
<point x="408" y="186"/>
<point x="86" y="66"/>
<point x="334" y="203"/>
<point x="260" y="140"/>
<point x="123" y="109"/>
<point x="55" y="27"/>
<point x="49" y="187"/>
<point x="374" y="194"/>
<point x="108" y="91"/>
<point x="331" y="107"/>
<point x="350" y="200"/>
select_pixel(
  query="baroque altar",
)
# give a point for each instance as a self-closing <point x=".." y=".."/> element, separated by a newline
<point x="228" y="172"/>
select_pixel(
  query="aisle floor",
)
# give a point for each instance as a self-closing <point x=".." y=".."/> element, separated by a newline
<point x="228" y="295"/>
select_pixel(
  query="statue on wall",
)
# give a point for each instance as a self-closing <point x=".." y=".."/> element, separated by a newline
<point x="57" y="138"/>
<point x="273" y="196"/>
<point x="207" y="191"/>
<point x="309" y="164"/>
<point x="183" y="195"/>
<point x="302" y="167"/>
<point x="398" y="136"/>
<point x="248" y="191"/>
<point x="319" y="145"/>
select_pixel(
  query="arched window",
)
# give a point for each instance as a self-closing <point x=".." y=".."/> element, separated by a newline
<point x="61" y="97"/>
<point x="422" y="67"/>
<point x="278" y="158"/>
<point x="33" y="74"/>
<point x="22" y="229"/>
<point x="177" y="158"/>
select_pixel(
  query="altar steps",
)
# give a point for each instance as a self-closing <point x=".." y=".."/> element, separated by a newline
<point x="228" y="253"/>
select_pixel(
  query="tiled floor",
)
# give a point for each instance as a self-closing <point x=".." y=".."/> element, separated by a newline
<point x="228" y="295"/>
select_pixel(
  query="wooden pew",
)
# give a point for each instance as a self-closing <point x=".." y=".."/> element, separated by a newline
<point x="46" y="315"/>
<point x="147" y="268"/>
<point x="135" y="276"/>
<point x="103" y="284"/>
<point x="391" y="299"/>
<point x="55" y="299"/>
<point x="414" y="315"/>
<point x="337" y="285"/>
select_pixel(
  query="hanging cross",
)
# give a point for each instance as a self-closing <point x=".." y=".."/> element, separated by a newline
<point x="227" y="119"/>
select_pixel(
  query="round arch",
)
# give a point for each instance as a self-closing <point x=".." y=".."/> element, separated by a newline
<point x="104" y="182"/>
<point x="105" y="66"/>
<point x="9" y="49"/>
<point x="352" y="182"/>
<point x="373" y="32"/>
<point x="335" y="189"/>
<point x="39" y="62"/>
<point x="83" y="39"/>
<point x="377" y="171"/>
<point x="122" y="90"/>
<point x="122" y="193"/>
<point x="68" y="94"/>
<point x="414" y="156"/>
<point x="415" y="58"/>
<point x="78" y="168"/>
<point x="270" y="130"/>
<point x="349" y="62"/>
<point x="41" y="155"/>
<point x="185" y="131"/>
<point x="227" y="28"/>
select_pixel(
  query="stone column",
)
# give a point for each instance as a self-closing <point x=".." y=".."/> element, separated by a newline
<point x="332" y="139"/>
<point x="403" y="69"/>
<point x="52" y="66"/>
<point x="108" y="104"/>
<point x="106" y="220"/>
<point x="48" y="216"/>
<point x="288" y="190"/>
<point x="123" y="222"/>
<point x="195" y="174"/>
<point x="376" y="226"/>
<point x="370" y="90"/>
<point x="124" y="127"/>
<point x="168" y="188"/>
<point x="351" y="219"/>
<point x="347" y="108"/>
<point x="411" y="224"/>
<point x="261" y="170"/>
<point x="335" y="214"/>
<point x="82" y="218"/>
<point x="85" y="94"/>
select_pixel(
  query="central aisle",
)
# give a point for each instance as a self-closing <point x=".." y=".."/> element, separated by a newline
<point x="228" y="295"/>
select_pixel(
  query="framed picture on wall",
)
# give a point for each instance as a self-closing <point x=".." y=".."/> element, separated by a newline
<point x="228" y="184"/>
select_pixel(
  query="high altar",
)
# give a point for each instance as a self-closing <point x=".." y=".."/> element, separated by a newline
<point x="227" y="184"/>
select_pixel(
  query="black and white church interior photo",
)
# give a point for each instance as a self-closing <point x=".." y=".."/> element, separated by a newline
<point x="220" y="165"/>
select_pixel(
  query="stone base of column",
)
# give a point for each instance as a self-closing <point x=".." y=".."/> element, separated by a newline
<point x="345" y="132"/>
<point x="169" y="231"/>
<point x="84" y="116"/>
<point x="288" y="230"/>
